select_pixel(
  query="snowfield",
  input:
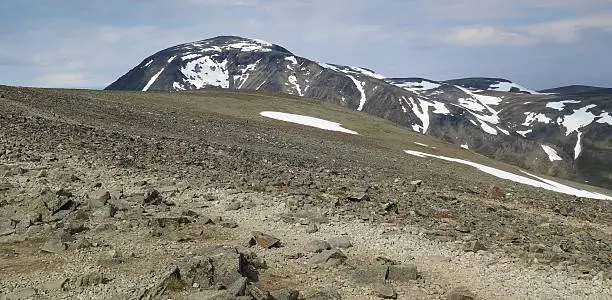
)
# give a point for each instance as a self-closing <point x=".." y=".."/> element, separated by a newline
<point x="552" y="154"/>
<point x="540" y="182"/>
<point x="306" y="120"/>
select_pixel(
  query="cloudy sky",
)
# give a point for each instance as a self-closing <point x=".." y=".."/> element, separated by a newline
<point x="538" y="43"/>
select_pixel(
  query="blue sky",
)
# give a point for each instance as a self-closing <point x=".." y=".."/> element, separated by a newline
<point x="538" y="43"/>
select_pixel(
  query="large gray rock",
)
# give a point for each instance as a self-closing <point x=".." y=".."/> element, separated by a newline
<point x="403" y="273"/>
<point x="340" y="242"/>
<point x="317" y="246"/>
<point x="58" y="242"/>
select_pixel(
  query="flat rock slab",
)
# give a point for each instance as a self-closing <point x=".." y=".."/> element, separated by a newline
<point x="326" y="255"/>
<point x="264" y="240"/>
<point x="403" y="273"/>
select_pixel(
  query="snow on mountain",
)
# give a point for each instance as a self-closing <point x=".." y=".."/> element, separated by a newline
<point x="306" y="120"/>
<point x="560" y="105"/>
<point x="537" y="182"/>
<point x="552" y="153"/>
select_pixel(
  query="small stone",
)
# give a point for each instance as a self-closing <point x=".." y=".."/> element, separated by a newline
<point x="416" y="182"/>
<point x="386" y="261"/>
<point x="99" y="198"/>
<point x="474" y="246"/>
<point x="358" y="197"/>
<point x="235" y="205"/>
<point x="403" y="273"/>
<point x="228" y="224"/>
<point x="340" y="242"/>
<point x="460" y="293"/>
<point x="42" y="174"/>
<point x="238" y="287"/>
<point x="91" y="279"/>
<point x="317" y="246"/>
<point x="153" y="197"/>
<point x="55" y="285"/>
<point x="81" y="243"/>
<point x="495" y="192"/>
<point x="312" y="228"/>
<point x="285" y="294"/>
<point x="105" y="227"/>
<point x="385" y="291"/>
<point x="264" y="240"/>
<point x="57" y="243"/>
<point x="105" y="212"/>
<point x="257" y="293"/>
<point x="371" y="274"/>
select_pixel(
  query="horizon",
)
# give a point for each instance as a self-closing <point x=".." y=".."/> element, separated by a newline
<point x="540" y="45"/>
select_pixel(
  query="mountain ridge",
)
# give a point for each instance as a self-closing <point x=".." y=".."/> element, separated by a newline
<point x="492" y="116"/>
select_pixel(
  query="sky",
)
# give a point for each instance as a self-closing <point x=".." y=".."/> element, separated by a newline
<point x="536" y="43"/>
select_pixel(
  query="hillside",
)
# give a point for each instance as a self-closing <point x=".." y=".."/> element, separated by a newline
<point x="565" y="134"/>
<point x="157" y="195"/>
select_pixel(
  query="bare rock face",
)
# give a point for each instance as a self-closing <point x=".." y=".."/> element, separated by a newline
<point x="492" y="116"/>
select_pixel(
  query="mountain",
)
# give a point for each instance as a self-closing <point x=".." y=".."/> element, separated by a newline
<point x="562" y="132"/>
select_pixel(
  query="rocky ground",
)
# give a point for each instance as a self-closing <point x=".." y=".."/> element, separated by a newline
<point x="101" y="201"/>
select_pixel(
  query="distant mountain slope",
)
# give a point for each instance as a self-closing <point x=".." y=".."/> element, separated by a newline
<point x="563" y="132"/>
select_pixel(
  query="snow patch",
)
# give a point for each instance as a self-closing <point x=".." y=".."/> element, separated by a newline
<point x="421" y="144"/>
<point x="506" y="132"/>
<point x="533" y="117"/>
<point x="552" y="154"/>
<point x="605" y="118"/>
<point x="306" y="120"/>
<point x="488" y="129"/>
<point x="507" y="86"/>
<point x="171" y="59"/>
<point x="360" y="86"/>
<point x="148" y="64"/>
<point x="422" y="112"/>
<point x="578" y="147"/>
<point x="465" y="146"/>
<point x="368" y="73"/>
<point x="560" y="105"/>
<point x="541" y="182"/>
<point x="524" y="132"/>
<point x="293" y="80"/>
<point x="152" y="80"/>
<point x="190" y="56"/>
<point x="440" y="108"/>
<point x="206" y="71"/>
<point x="580" y="118"/>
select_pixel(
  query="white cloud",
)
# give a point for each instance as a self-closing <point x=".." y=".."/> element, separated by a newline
<point x="562" y="31"/>
<point x="568" y="30"/>
<point x="484" y="36"/>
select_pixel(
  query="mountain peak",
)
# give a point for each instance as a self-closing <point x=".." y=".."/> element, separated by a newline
<point x="228" y="43"/>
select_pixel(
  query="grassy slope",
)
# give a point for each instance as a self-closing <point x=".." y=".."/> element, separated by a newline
<point x="93" y="106"/>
